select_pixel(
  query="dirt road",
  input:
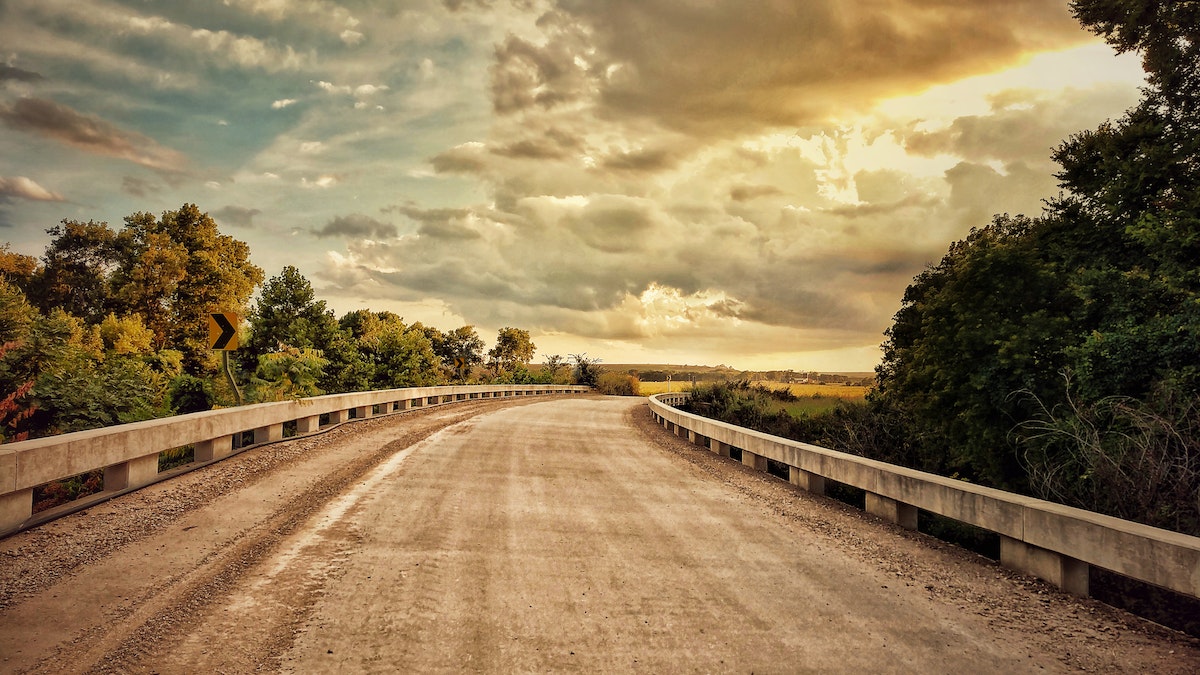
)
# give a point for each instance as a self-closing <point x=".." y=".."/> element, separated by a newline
<point x="547" y="535"/>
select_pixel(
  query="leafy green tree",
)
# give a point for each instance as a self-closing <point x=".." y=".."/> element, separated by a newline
<point x="188" y="394"/>
<point x="512" y="347"/>
<point x="16" y="316"/>
<point x="289" y="373"/>
<point x="288" y="314"/>
<point x="17" y="268"/>
<point x="76" y="269"/>
<point x="349" y="368"/>
<point x="363" y="324"/>
<point x="988" y="320"/>
<point x="461" y="350"/>
<point x="1103" y="288"/>
<point x="587" y="369"/>
<point x="176" y="270"/>
<point x="126" y="335"/>
<point x="15" y="313"/>
<point x="403" y="356"/>
<point x="555" y="366"/>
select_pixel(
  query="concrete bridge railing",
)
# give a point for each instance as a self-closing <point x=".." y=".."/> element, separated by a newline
<point x="1054" y="542"/>
<point x="128" y="453"/>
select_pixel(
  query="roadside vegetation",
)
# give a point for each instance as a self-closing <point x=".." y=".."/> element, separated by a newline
<point x="1059" y="355"/>
<point x="110" y="326"/>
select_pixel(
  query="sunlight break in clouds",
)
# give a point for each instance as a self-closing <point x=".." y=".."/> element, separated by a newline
<point x="751" y="182"/>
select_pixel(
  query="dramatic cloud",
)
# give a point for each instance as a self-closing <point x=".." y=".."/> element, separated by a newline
<point x="1021" y="125"/>
<point x="89" y="133"/>
<point x="356" y="226"/>
<point x="750" y="182"/>
<point x="726" y="66"/>
<point x="138" y="187"/>
<point x="15" y="74"/>
<point x="239" y="216"/>
<point x="23" y="188"/>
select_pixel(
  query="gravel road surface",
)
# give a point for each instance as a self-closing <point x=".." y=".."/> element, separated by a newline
<point x="563" y="534"/>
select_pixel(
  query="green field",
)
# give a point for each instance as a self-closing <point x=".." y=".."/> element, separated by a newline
<point x="652" y="388"/>
<point x="813" y="398"/>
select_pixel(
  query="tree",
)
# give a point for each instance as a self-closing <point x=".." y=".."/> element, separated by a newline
<point x="988" y="320"/>
<point x="587" y="370"/>
<point x="17" y="268"/>
<point x="15" y="407"/>
<point x="76" y="268"/>
<point x="403" y="356"/>
<point x="461" y="350"/>
<point x="289" y="373"/>
<point x="554" y="365"/>
<point x="178" y="269"/>
<point x="126" y="336"/>
<point x="349" y="369"/>
<point x="512" y="347"/>
<point x="288" y="314"/>
<point x="1103" y="288"/>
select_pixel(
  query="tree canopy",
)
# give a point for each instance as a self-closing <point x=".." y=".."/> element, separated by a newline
<point x="110" y="326"/>
<point x="1087" y="316"/>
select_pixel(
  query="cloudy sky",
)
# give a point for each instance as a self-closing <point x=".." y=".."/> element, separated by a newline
<point x="748" y="182"/>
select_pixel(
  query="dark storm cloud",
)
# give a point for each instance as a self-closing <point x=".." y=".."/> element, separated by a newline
<point x="239" y="216"/>
<point x="86" y="132"/>
<point x="356" y="226"/>
<point x="14" y="74"/>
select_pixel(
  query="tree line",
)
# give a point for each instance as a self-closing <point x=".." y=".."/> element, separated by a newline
<point x="110" y="326"/>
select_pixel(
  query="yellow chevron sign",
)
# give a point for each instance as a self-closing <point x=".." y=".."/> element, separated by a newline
<point x="222" y="331"/>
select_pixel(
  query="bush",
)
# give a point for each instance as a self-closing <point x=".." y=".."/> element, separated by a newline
<point x="617" y="384"/>
<point x="191" y="394"/>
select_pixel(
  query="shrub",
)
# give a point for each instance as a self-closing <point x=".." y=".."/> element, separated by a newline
<point x="191" y="394"/>
<point x="617" y="384"/>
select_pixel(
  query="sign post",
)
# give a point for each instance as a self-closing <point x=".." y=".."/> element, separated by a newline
<point x="223" y="337"/>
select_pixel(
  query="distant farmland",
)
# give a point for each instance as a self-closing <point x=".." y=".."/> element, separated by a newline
<point x="804" y="391"/>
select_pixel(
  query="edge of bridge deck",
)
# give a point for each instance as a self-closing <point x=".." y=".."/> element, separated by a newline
<point x="128" y="453"/>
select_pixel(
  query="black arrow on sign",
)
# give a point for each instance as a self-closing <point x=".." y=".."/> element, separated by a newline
<point x="227" y="331"/>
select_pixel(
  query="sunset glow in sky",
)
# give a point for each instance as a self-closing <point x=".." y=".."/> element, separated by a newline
<point x="748" y="182"/>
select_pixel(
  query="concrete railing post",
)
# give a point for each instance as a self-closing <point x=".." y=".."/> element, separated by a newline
<point x="1066" y="572"/>
<point x="15" y="508"/>
<point x="904" y="515"/>
<point x="134" y="473"/>
<point x="339" y="416"/>
<point x="756" y="462"/>
<point x="269" y="433"/>
<point x="362" y="412"/>
<point x="806" y="480"/>
<point x="214" y="448"/>
<point x="307" y="425"/>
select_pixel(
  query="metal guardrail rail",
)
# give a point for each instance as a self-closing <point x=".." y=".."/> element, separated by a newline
<point x="1054" y="542"/>
<point x="128" y="453"/>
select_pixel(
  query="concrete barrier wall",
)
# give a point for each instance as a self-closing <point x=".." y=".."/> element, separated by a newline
<point x="128" y="453"/>
<point x="1054" y="542"/>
